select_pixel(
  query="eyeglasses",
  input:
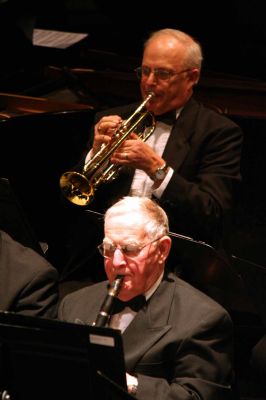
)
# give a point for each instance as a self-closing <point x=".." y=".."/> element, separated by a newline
<point x="107" y="249"/>
<point x="159" y="73"/>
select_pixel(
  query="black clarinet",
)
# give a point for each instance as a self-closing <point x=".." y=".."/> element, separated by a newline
<point x="106" y="307"/>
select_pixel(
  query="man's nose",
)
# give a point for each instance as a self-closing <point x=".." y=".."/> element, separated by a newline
<point x="151" y="78"/>
<point x="118" y="257"/>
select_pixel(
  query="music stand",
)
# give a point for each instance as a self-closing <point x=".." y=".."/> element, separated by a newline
<point x="200" y="264"/>
<point x="205" y="268"/>
<point x="42" y="358"/>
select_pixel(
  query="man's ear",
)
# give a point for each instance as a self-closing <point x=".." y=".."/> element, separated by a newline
<point x="194" y="75"/>
<point x="165" y="245"/>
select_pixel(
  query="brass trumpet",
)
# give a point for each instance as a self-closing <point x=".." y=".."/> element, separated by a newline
<point x="79" y="188"/>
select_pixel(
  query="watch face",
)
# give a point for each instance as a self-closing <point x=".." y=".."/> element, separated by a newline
<point x="160" y="174"/>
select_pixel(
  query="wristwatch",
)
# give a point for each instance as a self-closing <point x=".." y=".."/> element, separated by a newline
<point x="160" y="173"/>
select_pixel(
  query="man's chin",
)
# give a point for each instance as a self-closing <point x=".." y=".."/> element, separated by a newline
<point x="126" y="291"/>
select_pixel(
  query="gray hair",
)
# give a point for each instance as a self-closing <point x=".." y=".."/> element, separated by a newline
<point x="155" y="220"/>
<point x="193" y="55"/>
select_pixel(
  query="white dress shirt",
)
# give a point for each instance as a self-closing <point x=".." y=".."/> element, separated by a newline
<point x="142" y="183"/>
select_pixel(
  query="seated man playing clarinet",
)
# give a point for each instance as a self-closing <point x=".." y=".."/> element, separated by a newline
<point x="178" y="343"/>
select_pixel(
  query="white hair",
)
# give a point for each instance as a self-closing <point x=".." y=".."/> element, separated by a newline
<point x="193" y="55"/>
<point x="153" y="217"/>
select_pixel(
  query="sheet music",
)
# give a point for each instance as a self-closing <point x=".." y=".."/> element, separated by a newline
<point x="56" y="39"/>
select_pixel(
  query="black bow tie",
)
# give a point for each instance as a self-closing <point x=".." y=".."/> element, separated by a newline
<point x="135" y="304"/>
<point x="167" y="118"/>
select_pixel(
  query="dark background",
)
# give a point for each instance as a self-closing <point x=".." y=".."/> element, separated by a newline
<point x="232" y="33"/>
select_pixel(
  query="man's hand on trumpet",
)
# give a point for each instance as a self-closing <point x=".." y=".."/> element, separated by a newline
<point x="104" y="130"/>
<point x="133" y="152"/>
<point x="137" y="154"/>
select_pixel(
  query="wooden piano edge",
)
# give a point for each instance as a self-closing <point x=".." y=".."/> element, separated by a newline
<point x="14" y="105"/>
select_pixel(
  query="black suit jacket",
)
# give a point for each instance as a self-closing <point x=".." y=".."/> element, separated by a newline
<point x="179" y="344"/>
<point x="28" y="283"/>
<point x="204" y="149"/>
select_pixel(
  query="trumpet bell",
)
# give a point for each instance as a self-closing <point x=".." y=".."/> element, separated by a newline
<point x="76" y="188"/>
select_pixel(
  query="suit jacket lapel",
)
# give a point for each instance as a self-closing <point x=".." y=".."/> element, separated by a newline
<point x="178" y="144"/>
<point x="149" y="325"/>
